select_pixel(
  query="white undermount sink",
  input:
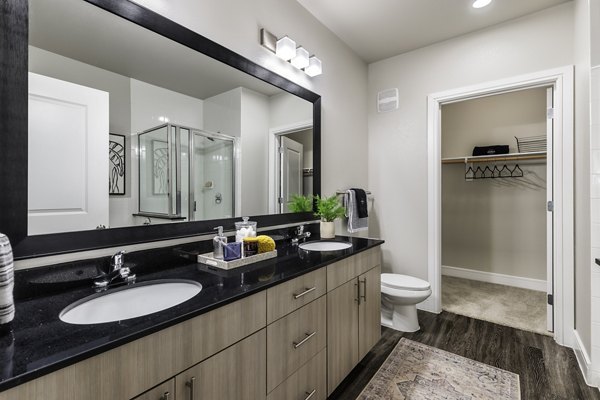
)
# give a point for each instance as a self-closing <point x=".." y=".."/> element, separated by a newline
<point x="325" y="245"/>
<point x="130" y="301"/>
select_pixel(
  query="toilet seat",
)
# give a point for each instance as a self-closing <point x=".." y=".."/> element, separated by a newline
<point x="404" y="282"/>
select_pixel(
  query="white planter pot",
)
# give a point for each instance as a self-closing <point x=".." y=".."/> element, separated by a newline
<point x="327" y="230"/>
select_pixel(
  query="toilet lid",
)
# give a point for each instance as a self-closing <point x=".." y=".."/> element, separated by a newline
<point x="397" y="281"/>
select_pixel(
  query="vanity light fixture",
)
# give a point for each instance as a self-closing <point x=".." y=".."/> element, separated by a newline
<point x="481" y="3"/>
<point x="301" y="59"/>
<point x="314" y="67"/>
<point x="286" y="49"/>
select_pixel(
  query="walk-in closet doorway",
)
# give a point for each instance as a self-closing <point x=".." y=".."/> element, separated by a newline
<point x="536" y="174"/>
<point x="496" y="228"/>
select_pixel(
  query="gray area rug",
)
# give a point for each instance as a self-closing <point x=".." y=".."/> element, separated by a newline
<point x="414" y="371"/>
<point x="505" y="305"/>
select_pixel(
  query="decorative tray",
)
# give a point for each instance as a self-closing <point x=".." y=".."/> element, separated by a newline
<point x="208" y="259"/>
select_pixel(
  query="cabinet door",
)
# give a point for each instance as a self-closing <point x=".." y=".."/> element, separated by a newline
<point x="369" y="310"/>
<point x="164" y="391"/>
<point x="236" y="373"/>
<point x="342" y="332"/>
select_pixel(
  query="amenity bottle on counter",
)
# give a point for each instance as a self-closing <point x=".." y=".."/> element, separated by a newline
<point x="219" y="242"/>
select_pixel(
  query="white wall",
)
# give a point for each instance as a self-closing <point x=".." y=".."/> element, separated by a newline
<point x="582" y="61"/>
<point x="494" y="225"/>
<point x="595" y="189"/>
<point x="222" y="113"/>
<point x="255" y="153"/>
<point x="398" y="140"/>
<point x="286" y="110"/>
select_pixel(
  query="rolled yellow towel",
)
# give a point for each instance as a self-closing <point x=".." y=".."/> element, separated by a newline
<point x="265" y="244"/>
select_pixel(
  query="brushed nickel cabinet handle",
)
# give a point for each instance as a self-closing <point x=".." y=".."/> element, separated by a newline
<point x="310" y="394"/>
<point x="165" y="396"/>
<point x="364" y="296"/>
<point x="357" y="299"/>
<point x="308" y="336"/>
<point x="307" y="291"/>
<point x="191" y="384"/>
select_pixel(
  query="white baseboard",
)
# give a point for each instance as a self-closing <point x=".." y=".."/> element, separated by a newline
<point x="591" y="377"/>
<point x="491" y="277"/>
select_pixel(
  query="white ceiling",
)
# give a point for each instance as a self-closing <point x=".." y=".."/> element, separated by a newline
<point x="378" y="29"/>
<point x="84" y="32"/>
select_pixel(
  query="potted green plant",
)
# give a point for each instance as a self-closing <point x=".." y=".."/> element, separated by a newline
<point x="300" y="203"/>
<point x="328" y="210"/>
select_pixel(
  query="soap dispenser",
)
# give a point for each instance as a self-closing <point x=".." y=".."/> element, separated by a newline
<point x="219" y="242"/>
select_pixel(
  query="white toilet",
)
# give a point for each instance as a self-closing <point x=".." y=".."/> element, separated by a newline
<point x="400" y="295"/>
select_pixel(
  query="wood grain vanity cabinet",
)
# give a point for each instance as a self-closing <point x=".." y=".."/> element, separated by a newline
<point x="296" y="340"/>
<point x="164" y="391"/>
<point x="131" y="369"/>
<point x="353" y="313"/>
<point x="235" y="373"/>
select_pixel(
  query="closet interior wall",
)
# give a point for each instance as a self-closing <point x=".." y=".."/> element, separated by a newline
<point x="494" y="225"/>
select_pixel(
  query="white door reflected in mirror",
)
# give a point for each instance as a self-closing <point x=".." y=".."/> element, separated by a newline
<point x="67" y="159"/>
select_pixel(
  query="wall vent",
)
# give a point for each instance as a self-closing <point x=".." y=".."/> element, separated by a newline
<point x="387" y="100"/>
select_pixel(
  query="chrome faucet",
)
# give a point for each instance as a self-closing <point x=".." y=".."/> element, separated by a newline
<point x="300" y="235"/>
<point x="118" y="273"/>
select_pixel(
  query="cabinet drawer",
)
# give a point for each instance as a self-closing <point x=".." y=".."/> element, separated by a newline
<point x="343" y="271"/>
<point x="164" y="391"/>
<point x="310" y="381"/>
<point x="289" y="296"/>
<point x="295" y="339"/>
<point x="236" y="373"/>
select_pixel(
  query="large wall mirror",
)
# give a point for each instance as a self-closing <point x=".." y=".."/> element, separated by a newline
<point x="135" y="133"/>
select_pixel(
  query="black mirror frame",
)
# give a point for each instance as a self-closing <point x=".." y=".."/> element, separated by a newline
<point x="13" y="135"/>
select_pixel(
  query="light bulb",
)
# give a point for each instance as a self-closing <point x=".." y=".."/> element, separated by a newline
<point x="314" y="67"/>
<point x="301" y="59"/>
<point x="481" y="3"/>
<point x="286" y="48"/>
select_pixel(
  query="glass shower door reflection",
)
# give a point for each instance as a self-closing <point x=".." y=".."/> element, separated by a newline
<point x="155" y="170"/>
<point x="212" y="172"/>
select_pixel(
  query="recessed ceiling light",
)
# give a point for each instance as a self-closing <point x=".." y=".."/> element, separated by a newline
<point x="481" y="3"/>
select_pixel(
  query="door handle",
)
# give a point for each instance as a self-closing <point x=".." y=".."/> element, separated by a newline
<point x="357" y="299"/>
<point x="191" y="384"/>
<point x="364" y="296"/>
<point x="300" y="343"/>
<point x="166" y="396"/>
<point x="307" y="291"/>
<point x="310" y="394"/>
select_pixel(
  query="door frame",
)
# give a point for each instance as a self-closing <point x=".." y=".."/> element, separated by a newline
<point x="563" y="181"/>
<point x="274" y="134"/>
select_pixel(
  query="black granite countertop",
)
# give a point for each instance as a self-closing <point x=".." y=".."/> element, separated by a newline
<point x="41" y="343"/>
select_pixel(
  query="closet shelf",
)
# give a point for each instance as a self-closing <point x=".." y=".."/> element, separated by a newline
<point x="539" y="155"/>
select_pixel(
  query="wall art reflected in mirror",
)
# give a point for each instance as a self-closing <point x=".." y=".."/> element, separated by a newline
<point x="189" y="138"/>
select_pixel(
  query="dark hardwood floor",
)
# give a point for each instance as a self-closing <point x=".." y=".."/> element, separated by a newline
<point x="546" y="370"/>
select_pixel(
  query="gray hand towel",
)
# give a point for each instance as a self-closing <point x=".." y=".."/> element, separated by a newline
<point x="355" y="224"/>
